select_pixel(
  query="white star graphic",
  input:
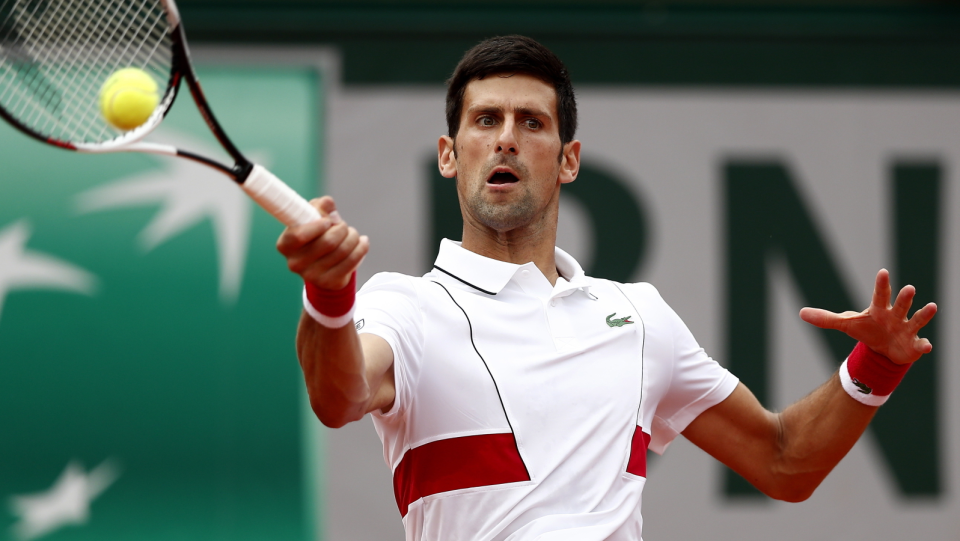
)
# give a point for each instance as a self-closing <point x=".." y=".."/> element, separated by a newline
<point x="187" y="193"/>
<point x="66" y="502"/>
<point x="25" y="269"/>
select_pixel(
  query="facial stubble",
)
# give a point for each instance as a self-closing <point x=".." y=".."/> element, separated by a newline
<point x="519" y="211"/>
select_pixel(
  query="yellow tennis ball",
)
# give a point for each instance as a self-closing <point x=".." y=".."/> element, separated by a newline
<point x="128" y="98"/>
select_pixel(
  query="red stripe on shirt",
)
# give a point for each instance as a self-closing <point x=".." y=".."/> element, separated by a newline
<point x="456" y="463"/>
<point x="637" y="464"/>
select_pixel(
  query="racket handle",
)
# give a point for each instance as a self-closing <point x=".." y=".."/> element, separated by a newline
<point x="277" y="198"/>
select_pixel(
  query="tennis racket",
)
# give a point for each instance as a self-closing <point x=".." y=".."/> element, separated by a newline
<point x="56" y="54"/>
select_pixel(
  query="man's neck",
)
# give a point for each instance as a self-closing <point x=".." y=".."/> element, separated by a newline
<point x="517" y="246"/>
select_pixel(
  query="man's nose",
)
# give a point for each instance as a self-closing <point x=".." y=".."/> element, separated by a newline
<point x="507" y="141"/>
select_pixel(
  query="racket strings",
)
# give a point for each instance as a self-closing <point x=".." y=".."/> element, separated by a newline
<point x="87" y="120"/>
<point x="52" y="54"/>
<point x="56" y="54"/>
<point x="11" y="46"/>
<point x="52" y="31"/>
<point x="116" y="29"/>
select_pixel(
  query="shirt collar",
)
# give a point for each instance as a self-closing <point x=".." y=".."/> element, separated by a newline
<point x="491" y="276"/>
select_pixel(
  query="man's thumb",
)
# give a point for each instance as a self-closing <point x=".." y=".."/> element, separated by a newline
<point x="817" y="317"/>
<point x="328" y="207"/>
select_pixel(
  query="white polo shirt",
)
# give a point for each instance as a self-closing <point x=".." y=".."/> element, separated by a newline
<point x="523" y="410"/>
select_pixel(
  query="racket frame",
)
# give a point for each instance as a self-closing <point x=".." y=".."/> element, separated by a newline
<point x="264" y="187"/>
<point x="131" y="141"/>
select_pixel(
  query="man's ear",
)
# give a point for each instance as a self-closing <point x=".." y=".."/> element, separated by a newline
<point x="446" y="157"/>
<point x="570" y="162"/>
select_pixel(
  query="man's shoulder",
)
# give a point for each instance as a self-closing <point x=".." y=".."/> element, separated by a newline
<point x="382" y="278"/>
<point x="395" y="283"/>
<point x="640" y="290"/>
<point x="389" y="281"/>
<point x="644" y="296"/>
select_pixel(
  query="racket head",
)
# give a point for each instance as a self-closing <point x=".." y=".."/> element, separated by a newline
<point x="55" y="56"/>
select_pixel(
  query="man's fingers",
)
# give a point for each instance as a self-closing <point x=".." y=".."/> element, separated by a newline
<point x="323" y="271"/>
<point x="302" y="259"/>
<point x="326" y="251"/>
<point x="323" y="204"/>
<point x="353" y="259"/>
<point x="924" y="346"/>
<point x="343" y="250"/>
<point x="882" y="327"/>
<point x="328" y="207"/>
<point x="325" y="247"/>
<point x="881" y="289"/>
<point x="296" y="237"/>
<point x="923" y="316"/>
<point x="338" y="274"/>
<point x="903" y="303"/>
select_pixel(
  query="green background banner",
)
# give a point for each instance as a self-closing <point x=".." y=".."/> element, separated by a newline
<point x="147" y="324"/>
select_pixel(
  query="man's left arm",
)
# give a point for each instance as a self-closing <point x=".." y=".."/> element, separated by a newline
<point x="788" y="454"/>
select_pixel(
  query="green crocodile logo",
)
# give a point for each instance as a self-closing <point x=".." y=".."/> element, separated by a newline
<point x="862" y="386"/>
<point x="620" y="322"/>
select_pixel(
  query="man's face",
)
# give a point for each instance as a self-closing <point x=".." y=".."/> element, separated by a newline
<point x="507" y="154"/>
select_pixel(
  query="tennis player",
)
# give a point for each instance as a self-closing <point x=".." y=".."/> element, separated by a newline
<point x="515" y="396"/>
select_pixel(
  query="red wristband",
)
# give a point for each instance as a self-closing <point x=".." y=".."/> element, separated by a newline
<point x="873" y="376"/>
<point x="331" y="308"/>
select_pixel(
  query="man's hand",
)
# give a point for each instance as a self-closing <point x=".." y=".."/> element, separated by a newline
<point x="324" y="252"/>
<point x="788" y="454"/>
<point x="347" y="375"/>
<point x="882" y="327"/>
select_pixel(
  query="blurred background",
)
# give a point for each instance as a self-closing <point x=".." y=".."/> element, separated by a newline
<point x="747" y="158"/>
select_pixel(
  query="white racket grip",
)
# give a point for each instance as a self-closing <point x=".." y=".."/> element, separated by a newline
<point x="277" y="198"/>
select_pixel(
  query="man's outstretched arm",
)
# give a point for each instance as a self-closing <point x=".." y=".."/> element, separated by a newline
<point x="786" y="455"/>
<point x="347" y="375"/>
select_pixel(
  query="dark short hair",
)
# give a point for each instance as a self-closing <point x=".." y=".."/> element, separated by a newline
<point x="513" y="54"/>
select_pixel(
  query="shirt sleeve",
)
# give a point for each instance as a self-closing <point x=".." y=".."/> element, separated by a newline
<point x="387" y="306"/>
<point x="697" y="382"/>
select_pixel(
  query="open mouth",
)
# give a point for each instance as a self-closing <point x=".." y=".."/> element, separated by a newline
<point x="503" y="178"/>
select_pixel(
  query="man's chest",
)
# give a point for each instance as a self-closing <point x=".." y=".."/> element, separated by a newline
<point x="541" y="368"/>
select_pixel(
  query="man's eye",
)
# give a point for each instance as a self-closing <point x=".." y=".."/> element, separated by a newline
<point x="486" y="121"/>
<point x="532" y="123"/>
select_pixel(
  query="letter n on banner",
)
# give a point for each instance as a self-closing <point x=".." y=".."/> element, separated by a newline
<point x="765" y="215"/>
